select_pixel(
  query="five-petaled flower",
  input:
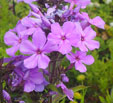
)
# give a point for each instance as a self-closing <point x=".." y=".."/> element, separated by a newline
<point x="78" y="58"/>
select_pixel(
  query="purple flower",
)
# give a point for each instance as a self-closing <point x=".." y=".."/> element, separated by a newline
<point x="81" y="3"/>
<point x="97" y="21"/>
<point x="14" y="40"/>
<point x="38" y="48"/>
<point x="69" y="93"/>
<point x="64" y="37"/>
<point x="32" y="25"/>
<point x="86" y="40"/>
<point x="78" y="58"/>
<point x="32" y="78"/>
<point x="26" y="1"/>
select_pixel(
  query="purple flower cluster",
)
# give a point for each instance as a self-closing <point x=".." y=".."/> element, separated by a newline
<point x="38" y="35"/>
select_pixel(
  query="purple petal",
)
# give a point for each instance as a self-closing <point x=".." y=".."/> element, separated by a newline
<point x="88" y="60"/>
<point x="70" y="58"/>
<point x="69" y="93"/>
<point x="29" y="86"/>
<point x="11" y="51"/>
<point x="80" y="67"/>
<point x="39" y="38"/>
<point x="92" y="44"/>
<point x="43" y="61"/>
<point x="29" y="31"/>
<point x="27" y="22"/>
<point x="54" y="38"/>
<point x="56" y="29"/>
<point x="90" y="33"/>
<point x="49" y="47"/>
<point x="82" y="46"/>
<point x="31" y="62"/>
<point x="65" y="48"/>
<point x="97" y="21"/>
<point x="10" y="38"/>
<point x="68" y="27"/>
<point x="36" y="77"/>
<point x="27" y="47"/>
<point x="39" y="88"/>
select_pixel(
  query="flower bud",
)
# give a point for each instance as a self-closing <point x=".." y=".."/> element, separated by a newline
<point x="81" y="77"/>
<point x="64" y="78"/>
<point x="77" y="95"/>
<point x="6" y="95"/>
<point x="73" y="102"/>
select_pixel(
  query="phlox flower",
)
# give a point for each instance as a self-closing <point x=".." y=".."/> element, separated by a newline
<point x="68" y="92"/>
<point x="32" y="78"/>
<point x="97" y="21"/>
<point x="81" y="3"/>
<point x="32" y="25"/>
<point x="26" y="1"/>
<point x="80" y="58"/>
<point x="86" y="39"/>
<point x="64" y="36"/>
<point x="37" y="49"/>
<point x="14" y="40"/>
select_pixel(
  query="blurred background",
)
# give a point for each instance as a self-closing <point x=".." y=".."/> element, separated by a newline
<point x="99" y="77"/>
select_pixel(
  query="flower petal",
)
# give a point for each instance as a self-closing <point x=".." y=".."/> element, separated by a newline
<point x="27" y="47"/>
<point x="88" y="60"/>
<point x="90" y="33"/>
<point x="31" y="62"/>
<point x="65" y="48"/>
<point x="56" y="29"/>
<point x="10" y="38"/>
<point x="68" y="27"/>
<point x="92" y="44"/>
<point x="36" y="77"/>
<point x="39" y="38"/>
<point x="29" y="86"/>
<point x="11" y="51"/>
<point x="39" y="88"/>
<point x="43" y="61"/>
<point x="97" y="21"/>
<point x="70" y="58"/>
<point x="80" y="67"/>
<point x="49" y="47"/>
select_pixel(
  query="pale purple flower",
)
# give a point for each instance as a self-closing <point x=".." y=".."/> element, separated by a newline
<point x="37" y="48"/>
<point x="81" y="3"/>
<point x="64" y="36"/>
<point x="26" y="1"/>
<point x="86" y="40"/>
<point x="14" y="40"/>
<point x="97" y="21"/>
<point x="68" y="92"/>
<point x="80" y="58"/>
<point x="32" y="78"/>
<point x="32" y="25"/>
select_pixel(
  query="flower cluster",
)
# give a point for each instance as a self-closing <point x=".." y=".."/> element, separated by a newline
<point x="41" y="34"/>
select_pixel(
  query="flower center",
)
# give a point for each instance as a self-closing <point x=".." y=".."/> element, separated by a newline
<point x="82" y="38"/>
<point x="39" y="51"/>
<point x="63" y="37"/>
<point x="20" y="40"/>
<point x="77" y="58"/>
